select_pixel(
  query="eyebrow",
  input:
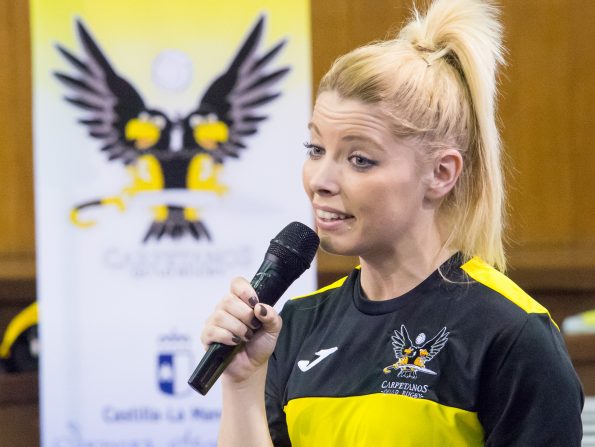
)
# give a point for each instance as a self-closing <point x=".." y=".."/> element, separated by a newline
<point x="312" y="126"/>
<point x="358" y="138"/>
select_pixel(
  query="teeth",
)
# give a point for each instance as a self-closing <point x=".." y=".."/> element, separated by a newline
<point x="330" y="216"/>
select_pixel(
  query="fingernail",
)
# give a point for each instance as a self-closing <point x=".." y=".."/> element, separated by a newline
<point x="253" y="301"/>
<point x="255" y="323"/>
<point x="236" y="339"/>
<point x="263" y="311"/>
<point x="249" y="334"/>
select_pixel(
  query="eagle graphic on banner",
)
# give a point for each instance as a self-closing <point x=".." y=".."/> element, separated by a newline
<point x="164" y="153"/>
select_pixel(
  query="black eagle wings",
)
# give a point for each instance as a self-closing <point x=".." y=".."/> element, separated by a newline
<point x="161" y="153"/>
<point x="412" y="357"/>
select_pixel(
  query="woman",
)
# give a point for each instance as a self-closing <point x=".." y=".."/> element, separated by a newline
<point x="426" y="343"/>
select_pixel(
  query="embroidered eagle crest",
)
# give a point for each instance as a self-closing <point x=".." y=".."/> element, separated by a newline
<point x="412" y="357"/>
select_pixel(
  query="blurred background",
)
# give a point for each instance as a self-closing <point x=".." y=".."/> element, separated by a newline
<point x="547" y="120"/>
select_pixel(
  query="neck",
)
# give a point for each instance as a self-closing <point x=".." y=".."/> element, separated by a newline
<point x="398" y="270"/>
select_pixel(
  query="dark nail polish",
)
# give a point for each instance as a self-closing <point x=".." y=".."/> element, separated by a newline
<point x="236" y="339"/>
<point x="249" y="334"/>
<point x="263" y="311"/>
<point x="255" y="323"/>
<point x="253" y="301"/>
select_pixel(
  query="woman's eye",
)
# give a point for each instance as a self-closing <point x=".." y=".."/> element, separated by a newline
<point x="313" y="151"/>
<point x="359" y="161"/>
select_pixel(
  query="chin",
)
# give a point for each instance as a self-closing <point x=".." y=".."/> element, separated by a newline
<point x="336" y="248"/>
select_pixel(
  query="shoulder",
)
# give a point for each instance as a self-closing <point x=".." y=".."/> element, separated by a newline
<point x="496" y="291"/>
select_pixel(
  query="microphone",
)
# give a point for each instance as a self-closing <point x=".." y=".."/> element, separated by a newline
<point x="290" y="254"/>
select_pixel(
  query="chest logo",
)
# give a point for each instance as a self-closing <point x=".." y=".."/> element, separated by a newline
<point x="412" y="357"/>
<point x="305" y="365"/>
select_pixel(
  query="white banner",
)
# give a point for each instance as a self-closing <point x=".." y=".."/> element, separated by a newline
<point x="167" y="155"/>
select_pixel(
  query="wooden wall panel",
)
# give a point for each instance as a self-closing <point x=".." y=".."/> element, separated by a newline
<point x="535" y="116"/>
<point x="339" y="26"/>
<point x="547" y="114"/>
<point x="17" y="246"/>
<point x="582" y="131"/>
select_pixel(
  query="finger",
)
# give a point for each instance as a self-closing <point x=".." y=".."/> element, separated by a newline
<point x="214" y="334"/>
<point x="268" y="316"/>
<point x="232" y="324"/>
<point x="242" y="288"/>
<point x="240" y="310"/>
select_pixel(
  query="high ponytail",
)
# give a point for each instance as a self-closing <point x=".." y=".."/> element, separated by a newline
<point x="436" y="82"/>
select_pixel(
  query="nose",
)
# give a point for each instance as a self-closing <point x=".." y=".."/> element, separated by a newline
<point x="322" y="177"/>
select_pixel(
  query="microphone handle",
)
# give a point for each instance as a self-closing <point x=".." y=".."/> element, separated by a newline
<point x="269" y="285"/>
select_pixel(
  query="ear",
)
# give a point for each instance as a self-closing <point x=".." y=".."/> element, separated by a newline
<point x="446" y="170"/>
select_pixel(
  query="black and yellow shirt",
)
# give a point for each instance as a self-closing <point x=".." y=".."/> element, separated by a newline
<point x="464" y="359"/>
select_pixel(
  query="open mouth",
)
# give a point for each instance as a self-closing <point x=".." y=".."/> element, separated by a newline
<point x="328" y="216"/>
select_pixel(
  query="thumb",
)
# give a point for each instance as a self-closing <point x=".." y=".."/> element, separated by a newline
<point x="268" y="316"/>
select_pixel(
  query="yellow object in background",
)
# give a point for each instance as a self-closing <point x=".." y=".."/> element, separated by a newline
<point x="19" y="349"/>
<point x="583" y="323"/>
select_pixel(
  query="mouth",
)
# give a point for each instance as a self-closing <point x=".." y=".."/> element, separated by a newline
<point x="328" y="216"/>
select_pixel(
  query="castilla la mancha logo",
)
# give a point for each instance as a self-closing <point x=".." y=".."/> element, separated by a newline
<point x="174" y="363"/>
<point x="412" y="357"/>
<point x="164" y="153"/>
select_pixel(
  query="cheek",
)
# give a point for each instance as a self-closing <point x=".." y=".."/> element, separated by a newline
<point x="388" y="202"/>
<point x="306" y="179"/>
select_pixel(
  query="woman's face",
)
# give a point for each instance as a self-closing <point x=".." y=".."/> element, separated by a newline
<point x="367" y="188"/>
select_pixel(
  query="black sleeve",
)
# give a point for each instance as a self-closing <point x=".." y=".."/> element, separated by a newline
<point x="530" y="394"/>
<point x="274" y="405"/>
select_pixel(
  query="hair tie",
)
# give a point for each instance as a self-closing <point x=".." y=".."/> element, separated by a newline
<point x="431" y="55"/>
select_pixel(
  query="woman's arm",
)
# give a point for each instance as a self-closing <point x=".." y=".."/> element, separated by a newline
<point x="243" y="420"/>
<point x="530" y="394"/>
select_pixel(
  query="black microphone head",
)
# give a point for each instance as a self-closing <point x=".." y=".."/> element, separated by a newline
<point x="295" y="246"/>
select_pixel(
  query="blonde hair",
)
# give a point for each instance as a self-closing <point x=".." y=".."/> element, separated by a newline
<point x="437" y="83"/>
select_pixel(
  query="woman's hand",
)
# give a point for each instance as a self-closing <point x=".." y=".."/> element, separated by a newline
<point x="239" y="317"/>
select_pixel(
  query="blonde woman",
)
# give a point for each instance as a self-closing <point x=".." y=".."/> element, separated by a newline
<point x="427" y="343"/>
